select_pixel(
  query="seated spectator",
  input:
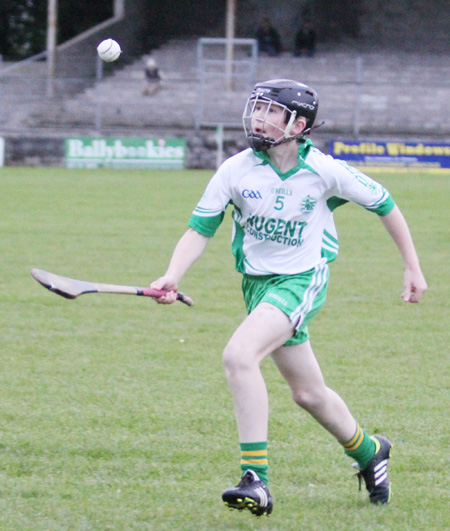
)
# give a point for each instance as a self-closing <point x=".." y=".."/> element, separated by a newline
<point x="268" y="39"/>
<point x="152" y="76"/>
<point x="305" y="41"/>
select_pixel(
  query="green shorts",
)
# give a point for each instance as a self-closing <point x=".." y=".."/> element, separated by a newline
<point x="300" y="296"/>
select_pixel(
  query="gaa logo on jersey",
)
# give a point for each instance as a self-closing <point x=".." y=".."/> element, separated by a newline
<point x="307" y="205"/>
<point x="251" y="194"/>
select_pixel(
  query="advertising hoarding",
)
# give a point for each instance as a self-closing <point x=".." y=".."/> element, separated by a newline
<point x="156" y="153"/>
<point x="392" y="154"/>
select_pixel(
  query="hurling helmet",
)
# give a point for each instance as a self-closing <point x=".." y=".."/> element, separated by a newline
<point x="295" y="98"/>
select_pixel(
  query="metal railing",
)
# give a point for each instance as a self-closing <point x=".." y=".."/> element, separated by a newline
<point x="224" y="65"/>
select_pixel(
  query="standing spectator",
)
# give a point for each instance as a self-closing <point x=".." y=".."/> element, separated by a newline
<point x="305" y="40"/>
<point x="268" y="39"/>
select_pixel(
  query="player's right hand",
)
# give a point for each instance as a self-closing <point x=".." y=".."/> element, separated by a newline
<point x="167" y="283"/>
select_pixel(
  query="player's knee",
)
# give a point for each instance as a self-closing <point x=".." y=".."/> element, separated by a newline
<point x="236" y="359"/>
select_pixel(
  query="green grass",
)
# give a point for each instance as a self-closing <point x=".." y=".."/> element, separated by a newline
<point x="115" y="413"/>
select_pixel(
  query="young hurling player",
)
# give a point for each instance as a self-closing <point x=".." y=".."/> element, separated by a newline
<point x="283" y="192"/>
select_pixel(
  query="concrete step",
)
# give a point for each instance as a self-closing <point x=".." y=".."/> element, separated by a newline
<point x="372" y="92"/>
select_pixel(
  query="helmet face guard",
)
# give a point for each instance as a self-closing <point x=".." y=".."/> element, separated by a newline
<point x="252" y="121"/>
<point x="294" y="98"/>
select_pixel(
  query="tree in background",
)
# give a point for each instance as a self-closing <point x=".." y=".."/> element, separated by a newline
<point x="22" y="28"/>
<point x="23" y="23"/>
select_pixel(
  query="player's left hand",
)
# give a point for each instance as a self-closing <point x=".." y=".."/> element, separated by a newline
<point x="414" y="285"/>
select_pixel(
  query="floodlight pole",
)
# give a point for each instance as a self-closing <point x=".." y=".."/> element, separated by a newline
<point x="230" y="30"/>
<point x="52" y="18"/>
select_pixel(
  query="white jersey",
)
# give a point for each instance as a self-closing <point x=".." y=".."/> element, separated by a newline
<point x="283" y="223"/>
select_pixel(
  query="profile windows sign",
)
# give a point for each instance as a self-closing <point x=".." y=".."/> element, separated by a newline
<point x="392" y="154"/>
<point x="139" y="153"/>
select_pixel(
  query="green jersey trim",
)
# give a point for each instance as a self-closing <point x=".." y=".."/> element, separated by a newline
<point x="330" y="247"/>
<point x="207" y="226"/>
<point x="335" y="202"/>
<point x="303" y="150"/>
<point x="385" y="207"/>
<point x="237" y="246"/>
<point x="381" y="207"/>
<point x="328" y="255"/>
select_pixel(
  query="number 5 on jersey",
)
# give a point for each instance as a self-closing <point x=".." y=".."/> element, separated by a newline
<point x="279" y="203"/>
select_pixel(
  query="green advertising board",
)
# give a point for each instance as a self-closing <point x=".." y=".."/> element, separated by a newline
<point x="156" y="153"/>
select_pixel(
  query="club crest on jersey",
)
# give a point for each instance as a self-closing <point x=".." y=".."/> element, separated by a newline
<point x="307" y="205"/>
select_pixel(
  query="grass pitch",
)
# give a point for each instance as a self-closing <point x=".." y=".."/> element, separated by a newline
<point x="115" y="413"/>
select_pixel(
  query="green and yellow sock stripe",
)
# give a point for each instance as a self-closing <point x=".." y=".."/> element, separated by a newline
<point x="355" y="442"/>
<point x="254" y="457"/>
<point x="361" y="447"/>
